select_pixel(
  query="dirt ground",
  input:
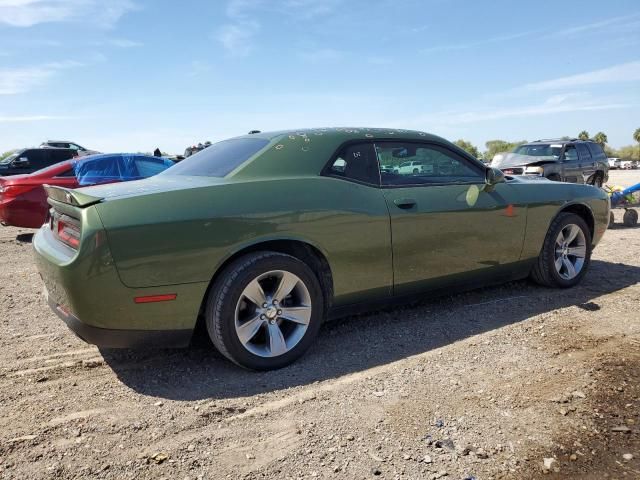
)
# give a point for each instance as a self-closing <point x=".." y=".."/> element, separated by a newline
<point x="516" y="381"/>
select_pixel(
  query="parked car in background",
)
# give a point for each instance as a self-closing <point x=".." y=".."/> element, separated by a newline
<point x="264" y="236"/>
<point x="66" y="144"/>
<point x="30" y="160"/>
<point x="23" y="200"/>
<point x="626" y="164"/>
<point x="415" y="166"/>
<point x="575" y="161"/>
<point x="614" y="163"/>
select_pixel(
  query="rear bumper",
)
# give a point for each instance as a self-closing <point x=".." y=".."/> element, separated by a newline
<point x="110" y="338"/>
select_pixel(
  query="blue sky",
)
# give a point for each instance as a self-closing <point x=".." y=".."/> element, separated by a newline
<point x="130" y="75"/>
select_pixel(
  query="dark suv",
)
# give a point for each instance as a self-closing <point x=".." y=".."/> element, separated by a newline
<point x="32" y="159"/>
<point x="575" y="161"/>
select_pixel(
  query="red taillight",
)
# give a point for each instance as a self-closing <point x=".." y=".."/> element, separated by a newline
<point x="68" y="231"/>
<point x="12" y="191"/>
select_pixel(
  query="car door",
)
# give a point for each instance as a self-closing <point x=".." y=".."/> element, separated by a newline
<point x="27" y="162"/>
<point x="587" y="164"/>
<point x="57" y="155"/>
<point x="447" y="226"/>
<point x="571" y="169"/>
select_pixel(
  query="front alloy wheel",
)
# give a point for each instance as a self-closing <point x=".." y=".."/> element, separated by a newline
<point x="565" y="254"/>
<point x="265" y="310"/>
<point x="571" y="249"/>
<point x="273" y="313"/>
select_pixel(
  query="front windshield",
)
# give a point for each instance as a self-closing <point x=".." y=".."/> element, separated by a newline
<point x="10" y="158"/>
<point x="539" y="150"/>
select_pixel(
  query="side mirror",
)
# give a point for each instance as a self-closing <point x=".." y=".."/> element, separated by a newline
<point x="493" y="176"/>
<point x="21" y="162"/>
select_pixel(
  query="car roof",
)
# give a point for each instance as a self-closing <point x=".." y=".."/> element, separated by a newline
<point x="558" y="141"/>
<point x="307" y="151"/>
<point x="346" y="133"/>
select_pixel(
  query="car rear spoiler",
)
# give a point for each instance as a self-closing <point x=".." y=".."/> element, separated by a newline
<point x="71" y="197"/>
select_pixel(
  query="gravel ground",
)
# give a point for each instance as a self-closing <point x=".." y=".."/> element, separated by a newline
<point x="516" y="381"/>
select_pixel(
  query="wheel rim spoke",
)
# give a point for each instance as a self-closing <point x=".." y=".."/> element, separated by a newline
<point x="559" y="263"/>
<point x="573" y="233"/>
<point x="254" y="293"/>
<point x="285" y="286"/>
<point x="560" y="239"/>
<point x="277" y="344"/>
<point x="579" y="251"/>
<point x="301" y="315"/>
<point x="249" y="329"/>
<point x="571" y="270"/>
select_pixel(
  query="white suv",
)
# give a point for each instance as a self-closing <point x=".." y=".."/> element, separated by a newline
<point x="407" y="168"/>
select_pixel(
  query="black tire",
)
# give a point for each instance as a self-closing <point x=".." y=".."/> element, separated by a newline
<point x="630" y="218"/>
<point x="544" y="271"/>
<point x="554" y="177"/>
<point x="415" y="170"/>
<point x="225" y="294"/>
<point x="612" y="220"/>
<point x="596" y="180"/>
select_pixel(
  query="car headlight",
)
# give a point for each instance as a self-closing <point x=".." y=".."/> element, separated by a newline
<point x="534" y="170"/>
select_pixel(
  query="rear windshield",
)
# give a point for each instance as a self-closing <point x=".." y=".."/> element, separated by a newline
<point x="539" y="150"/>
<point x="219" y="159"/>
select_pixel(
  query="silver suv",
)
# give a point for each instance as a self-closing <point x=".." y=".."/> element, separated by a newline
<point x="575" y="161"/>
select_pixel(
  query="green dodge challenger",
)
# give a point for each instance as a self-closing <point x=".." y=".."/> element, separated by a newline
<point x="264" y="236"/>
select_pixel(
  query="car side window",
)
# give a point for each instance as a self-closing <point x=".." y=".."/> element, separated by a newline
<point x="422" y="164"/>
<point x="570" y="153"/>
<point x="596" y="151"/>
<point x="60" y="155"/>
<point x="356" y="162"/>
<point x="583" y="151"/>
<point x="37" y="158"/>
<point x="149" y="168"/>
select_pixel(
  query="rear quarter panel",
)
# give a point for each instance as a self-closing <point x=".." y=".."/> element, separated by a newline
<point x="184" y="236"/>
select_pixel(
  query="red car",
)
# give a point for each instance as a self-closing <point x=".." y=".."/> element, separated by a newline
<point x="23" y="201"/>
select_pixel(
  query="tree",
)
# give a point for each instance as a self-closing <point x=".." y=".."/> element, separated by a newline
<point x="6" y="154"/>
<point x="629" y="152"/>
<point x="468" y="147"/>
<point x="583" y="135"/>
<point x="600" y="138"/>
<point x="636" y="137"/>
<point x="499" y="146"/>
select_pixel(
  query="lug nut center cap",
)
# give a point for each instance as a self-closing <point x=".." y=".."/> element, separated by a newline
<point x="271" y="312"/>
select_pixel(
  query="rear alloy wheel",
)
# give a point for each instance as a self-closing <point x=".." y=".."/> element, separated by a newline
<point x="630" y="218"/>
<point x="565" y="254"/>
<point x="596" y="181"/>
<point x="265" y="310"/>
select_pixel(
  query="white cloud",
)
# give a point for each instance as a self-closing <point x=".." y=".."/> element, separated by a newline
<point x="237" y="38"/>
<point x="479" y="43"/>
<point x="625" y="72"/>
<point x="26" y="13"/>
<point x="31" y="118"/>
<point x="572" y="102"/>
<point x="612" y="25"/>
<point x="20" y="80"/>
